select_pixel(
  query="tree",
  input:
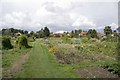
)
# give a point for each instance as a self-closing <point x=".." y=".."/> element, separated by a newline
<point x="107" y="30"/>
<point x="76" y="33"/>
<point x="6" y="44"/>
<point x="80" y="30"/>
<point x="22" y="41"/>
<point x="72" y="34"/>
<point x="25" y="32"/>
<point x="46" y="32"/>
<point x="7" y="32"/>
<point x="92" y="33"/>
<point x="31" y="33"/>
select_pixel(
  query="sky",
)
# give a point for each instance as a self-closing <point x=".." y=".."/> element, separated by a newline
<point x="59" y="15"/>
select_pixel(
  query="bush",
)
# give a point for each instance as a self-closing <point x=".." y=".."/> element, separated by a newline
<point x="31" y="39"/>
<point x="85" y="40"/>
<point x="53" y="50"/>
<point x="6" y="44"/>
<point x="22" y="41"/>
<point x="66" y="40"/>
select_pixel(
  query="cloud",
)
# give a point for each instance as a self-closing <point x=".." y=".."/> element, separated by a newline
<point x="113" y="26"/>
<point x="58" y="15"/>
<point x="61" y="31"/>
<point x="82" y="22"/>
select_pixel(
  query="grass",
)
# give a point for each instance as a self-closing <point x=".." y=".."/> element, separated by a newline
<point x="10" y="56"/>
<point x="42" y="64"/>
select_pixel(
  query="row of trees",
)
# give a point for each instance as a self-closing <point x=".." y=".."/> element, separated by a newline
<point x="75" y="33"/>
<point x="12" y="31"/>
<point x="40" y="34"/>
<point x="45" y="32"/>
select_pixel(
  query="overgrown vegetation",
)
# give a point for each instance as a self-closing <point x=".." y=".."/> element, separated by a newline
<point x="22" y="42"/>
<point x="71" y="50"/>
<point x="6" y="43"/>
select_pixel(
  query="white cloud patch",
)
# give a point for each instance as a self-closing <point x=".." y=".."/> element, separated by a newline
<point x="61" y="31"/>
<point x="83" y="21"/>
<point x="113" y="26"/>
<point x="58" y="15"/>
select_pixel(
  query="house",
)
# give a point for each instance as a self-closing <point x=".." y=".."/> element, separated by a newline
<point x="59" y="35"/>
<point x="83" y="34"/>
<point x="100" y="34"/>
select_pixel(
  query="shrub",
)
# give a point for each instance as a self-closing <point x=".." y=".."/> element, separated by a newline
<point x="6" y="44"/>
<point x="53" y="49"/>
<point x="31" y="39"/>
<point x="66" y="40"/>
<point x="22" y="41"/>
<point x="85" y="40"/>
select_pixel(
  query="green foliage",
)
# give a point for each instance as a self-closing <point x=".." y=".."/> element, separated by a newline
<point x="31" y="34"/>
<point x="112" y="67"/>
<point x="46" y="32"/>
<point x="31" y="39"/>
<point x="12" y="31"/>
<point x="92" y="33"/>
<point x="22" y="41"/>
<point x="85" y="40"/>
<point x="43" y="33"/>
<point x="110" y="38"/>
<point x="75" y="33"/>
<point x="72" y="34"/>
<point x="40" y="34"/>
<point x="6" y="43"/>
<point x="66" y="40"/>
<point x="108" y="30"/>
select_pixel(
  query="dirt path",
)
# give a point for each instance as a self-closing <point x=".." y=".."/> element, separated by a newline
<point x="41" y="64"/>
<point x="95" y="72"/>
<point x="17" y="65"/>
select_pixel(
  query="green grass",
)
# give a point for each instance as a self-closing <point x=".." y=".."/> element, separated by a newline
<point x="11" y="55"/>
<point x="42" y="64"/>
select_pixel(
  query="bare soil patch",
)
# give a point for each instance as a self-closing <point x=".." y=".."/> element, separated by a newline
<point x="16" y="66"/>
<point x="95" y="72"/>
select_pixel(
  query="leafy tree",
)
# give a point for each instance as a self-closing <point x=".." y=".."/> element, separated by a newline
<point x="92" y="33"/>
<point x="7" y="32"/>
<point x="25" y="32"/>
<point x="107" y="30"/>
<point x="22" y="41"/>
<point x="6" y="44"/>
<point x="80" y="30"/>
<point x="12" y="31"/>
<point x="40" y="34"/>
<point x="72" y="34"/>
<point x="76" y="33"/>
<point x="31" y="33"/>
<point x="46" y="32"/>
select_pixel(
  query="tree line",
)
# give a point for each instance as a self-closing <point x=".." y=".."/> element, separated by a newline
<point x="45" y="32"/>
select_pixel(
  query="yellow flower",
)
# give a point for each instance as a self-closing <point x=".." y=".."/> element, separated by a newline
<point x="53" y="49"/>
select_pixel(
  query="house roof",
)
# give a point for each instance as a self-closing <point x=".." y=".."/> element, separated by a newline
<point x="83" y="33"/>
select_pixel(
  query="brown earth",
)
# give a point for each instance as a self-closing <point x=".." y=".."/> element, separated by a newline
<point x="95" y="72"/>
<point x="16" y="66"/>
